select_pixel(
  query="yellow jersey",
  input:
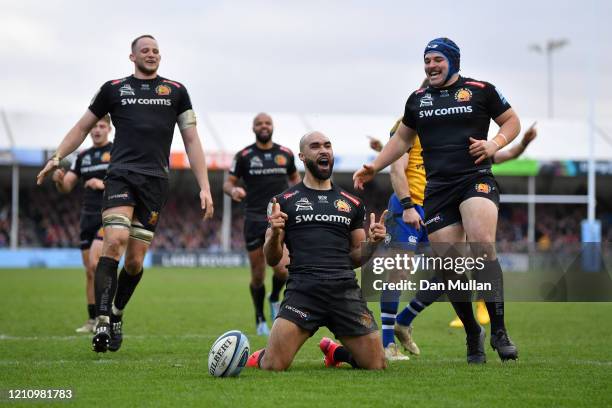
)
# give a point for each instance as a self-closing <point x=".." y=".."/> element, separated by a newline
<point x="415" y="172"/>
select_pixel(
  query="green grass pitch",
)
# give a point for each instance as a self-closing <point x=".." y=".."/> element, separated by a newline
<point x="174" y="316"/>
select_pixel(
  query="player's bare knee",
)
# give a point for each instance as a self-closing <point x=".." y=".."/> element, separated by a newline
<point x="133" y="265"/>
<point x="114" y="245"/>
<point x="274" y="363"/>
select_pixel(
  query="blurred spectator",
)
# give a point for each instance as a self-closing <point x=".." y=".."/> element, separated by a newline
<point x="49" y="219"/>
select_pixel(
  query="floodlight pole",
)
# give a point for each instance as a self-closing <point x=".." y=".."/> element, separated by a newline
<point x="14" y="185"/>
<point x="548" y="49"/>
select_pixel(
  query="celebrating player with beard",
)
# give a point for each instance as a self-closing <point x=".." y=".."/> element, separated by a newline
<point x="322" y="226"/>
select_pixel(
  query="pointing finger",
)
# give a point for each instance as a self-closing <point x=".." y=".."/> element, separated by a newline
<point x="383" y="215"/>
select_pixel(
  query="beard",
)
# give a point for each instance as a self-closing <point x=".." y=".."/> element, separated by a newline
<point x="263" y="139"/>
<point x="318" y="173"/>
<point x="146" y="70"/>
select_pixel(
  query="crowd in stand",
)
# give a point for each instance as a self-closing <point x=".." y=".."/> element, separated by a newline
<point x="49" y="219"/>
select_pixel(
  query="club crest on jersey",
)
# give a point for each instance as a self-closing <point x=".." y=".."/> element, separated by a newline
<point x="162" y="90"/>
<point x="153" y="218"/>
<point x="255" y="162"/>
<point x="106" y="157"/>
<point x="280" y="159"/>
<point x="463" y="95"/>
<point x="126" y="90"/>
<point x="342" y="205"/>
<point x="426" y="100"/>
<point x="483" y="188"/>
<point x="303" y="204"/>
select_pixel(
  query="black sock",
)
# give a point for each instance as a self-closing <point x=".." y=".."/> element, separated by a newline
<point x="466" y="314"/>
<point x="258" y="295"/>
<point x="495" y="301"/>
<point x="91" y="311"/>
<point x="125" y="288"/>
<point x="277" y="286"/>
<point x="342" y="354"/>
<point x="105" y="285"/>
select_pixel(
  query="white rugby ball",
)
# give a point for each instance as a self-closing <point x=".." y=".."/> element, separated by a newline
<point x="228" y="354"/>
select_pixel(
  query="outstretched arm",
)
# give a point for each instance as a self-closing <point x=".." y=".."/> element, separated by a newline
<point x="69" y="144"/>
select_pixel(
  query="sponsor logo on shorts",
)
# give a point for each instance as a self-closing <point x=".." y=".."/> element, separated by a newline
<point x="153" y="217"/>
<point x="436" y="219"/>
<point x="483" y="188"/>
<point x="342" y="205"/>
<point x="303" y="204"/>
<point x="463" y="95"/>
<point x="302" y="315"/>
<point x="162" y="90"/>
<point x="280" y="160"/>
<point x="120" y="195"/>
<point x="126" y="90"/>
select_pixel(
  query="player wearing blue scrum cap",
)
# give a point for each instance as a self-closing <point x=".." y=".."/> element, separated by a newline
<point x="452" y="116"/>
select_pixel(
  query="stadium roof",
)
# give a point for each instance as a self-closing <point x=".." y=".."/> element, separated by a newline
<point x="225" y="133"/>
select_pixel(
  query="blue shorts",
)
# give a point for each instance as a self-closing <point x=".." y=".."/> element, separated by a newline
<point x="400" y="232"/>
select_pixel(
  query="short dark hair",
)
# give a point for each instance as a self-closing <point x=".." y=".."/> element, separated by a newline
<point x="142" y="36"/>
<point x="106" y="118"/>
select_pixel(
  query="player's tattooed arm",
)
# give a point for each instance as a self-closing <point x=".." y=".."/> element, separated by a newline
<point x="275" y="234"/>
<point x="73" y="139"/>
<point x="197" y="160"/>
